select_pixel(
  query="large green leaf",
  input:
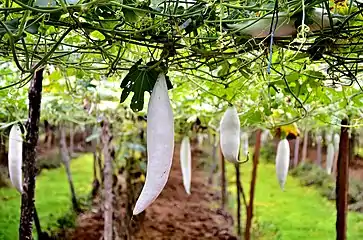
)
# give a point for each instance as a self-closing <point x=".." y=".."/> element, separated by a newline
<point x="140" y="78"/>
<point x="12" y="25"/>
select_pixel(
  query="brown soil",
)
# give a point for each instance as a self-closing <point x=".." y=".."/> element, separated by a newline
<point x="174" y="215"/>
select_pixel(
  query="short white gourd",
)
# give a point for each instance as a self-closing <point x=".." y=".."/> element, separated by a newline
<point x="230" y="134"/>
<point x="282" y="161"/>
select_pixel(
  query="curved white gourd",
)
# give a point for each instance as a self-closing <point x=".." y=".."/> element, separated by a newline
<point x="282" y="161"/>
<point x="230" y="134"/>
<point x="329" y="158"/>
<point x="15" y="157"/>
<point x="160" y="144"/>
<point x="186" y="163"/>
<point x="336" y="142"/>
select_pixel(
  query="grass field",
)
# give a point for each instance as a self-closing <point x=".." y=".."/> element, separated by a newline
<point x="52" y="196"/>
<point x="297" y="213"/>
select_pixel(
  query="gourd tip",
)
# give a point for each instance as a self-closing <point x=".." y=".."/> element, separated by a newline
<point x="136" y="211"/>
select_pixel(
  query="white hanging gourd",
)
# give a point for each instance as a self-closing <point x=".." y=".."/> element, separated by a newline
<point x="282" y="161"/>
<point x="160" y="144"/>
<point x="15" y="157"/>
<point x="186" y="163"/>
<point x="230" y="134"/>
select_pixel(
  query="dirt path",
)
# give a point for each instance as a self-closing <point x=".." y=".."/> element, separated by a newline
<point x="174" y="215"/>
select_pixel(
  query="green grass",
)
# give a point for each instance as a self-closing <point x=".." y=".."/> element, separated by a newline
<point x="52" y="196"/>
<point x="359" y="151"/>
<point x="297" y="213"/>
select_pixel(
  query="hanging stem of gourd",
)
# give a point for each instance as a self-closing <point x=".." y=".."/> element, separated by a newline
<point x="272" y="32"/>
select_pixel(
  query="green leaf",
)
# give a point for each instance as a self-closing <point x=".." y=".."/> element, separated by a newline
<point x="55" y="75"/>
<point x="299" y="56"/>
<point x="292" y="77"/>
<point x="96" y="35"/>
<point x="224" y="69"/>
<point x="315" y="74"/>
<point x="140" y="79"/>
<point x="130" y="15"/>
<point x="32" y="27"/>
<point x="12" y="25"/>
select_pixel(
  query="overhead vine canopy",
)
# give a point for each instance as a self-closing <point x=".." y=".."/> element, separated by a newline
<point x="288" y="45"/>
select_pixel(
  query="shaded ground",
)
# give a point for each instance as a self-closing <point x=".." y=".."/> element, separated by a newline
<point x="174" y="215"/>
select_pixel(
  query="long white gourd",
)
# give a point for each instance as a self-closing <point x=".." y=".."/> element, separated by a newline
<point x="230" y="134"/>
<point x="282" y="161"/>
<point x="186" y="163"/>
<point x="160" y="144"/>
<point x="15" y="157"/>
<point x="329" y="158"/>
<point x="260" y="28"/>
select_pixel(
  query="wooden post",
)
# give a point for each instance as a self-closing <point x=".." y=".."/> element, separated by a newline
<point x="214" y="164"/>
<point x="223" y="179"/>
<point x="342" y="183"/>
<point x="296" y="151"/>
<point x="238" y="187"/>
<point x="108" y="181"/>
<point x="65" y="154"/>
<point x="29" y="156"/>
<point x="305" y="146"/>
<point x="38" y="226"/>
<point x="318" y="150"/>
<point x="256" y="156"/>
<point x="71" y="139"/>
<point x="352" y="142"/>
